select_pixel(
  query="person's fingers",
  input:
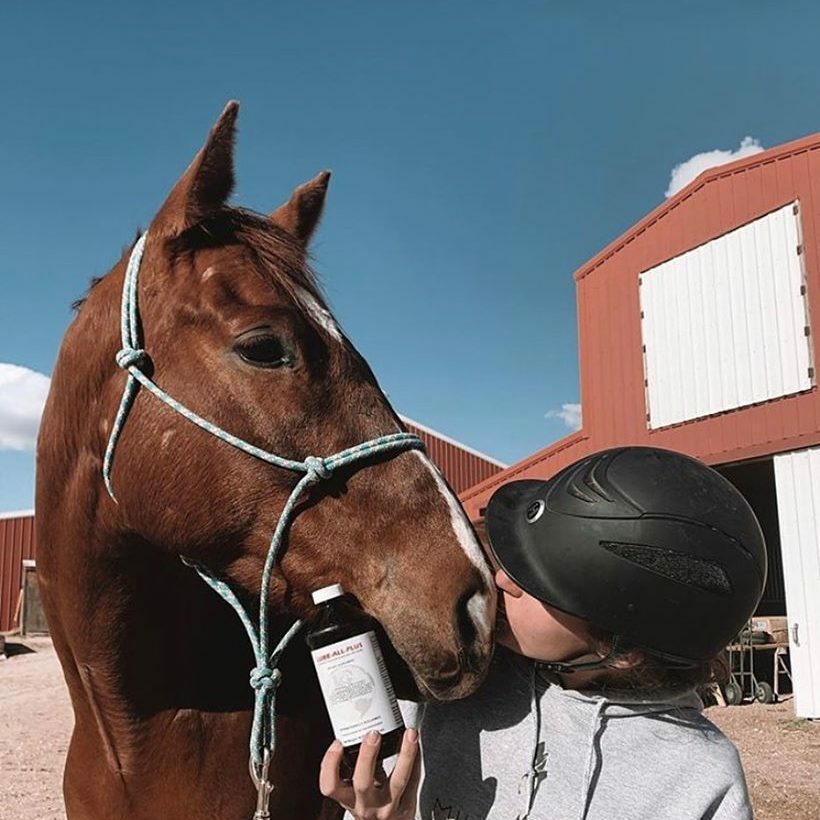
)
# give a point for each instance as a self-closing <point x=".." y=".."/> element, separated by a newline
<point x="330" y="781"/>
<point x="380" y="775"/>
<point x="365" y="772"/>
<point x="403" y="770"/>
<point x="406" y="804"/>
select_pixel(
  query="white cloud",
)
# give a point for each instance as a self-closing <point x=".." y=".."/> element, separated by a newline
<point x="570" y="414"/>
<point x="685" y="172"/>
<point x="22" y="398"/>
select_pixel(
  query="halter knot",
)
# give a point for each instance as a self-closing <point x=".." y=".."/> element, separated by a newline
<point x="265" y="679"/>
<point x="132" y="357"/>
<point x="317" y="469"/>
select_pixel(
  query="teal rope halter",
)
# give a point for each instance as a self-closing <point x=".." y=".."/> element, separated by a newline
<point x="265" y="677"/>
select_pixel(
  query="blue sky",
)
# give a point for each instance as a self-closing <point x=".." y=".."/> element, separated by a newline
<point x="481" y="152"/>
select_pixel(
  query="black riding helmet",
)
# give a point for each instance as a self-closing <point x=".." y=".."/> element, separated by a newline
<point x="650" y="545"/>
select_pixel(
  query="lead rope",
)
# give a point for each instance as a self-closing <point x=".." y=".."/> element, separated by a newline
<point x="266" y="676"/>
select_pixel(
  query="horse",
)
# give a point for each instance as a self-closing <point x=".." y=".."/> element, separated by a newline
<point x="156" y="664"/>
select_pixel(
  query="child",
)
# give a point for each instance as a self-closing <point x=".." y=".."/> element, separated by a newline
<point x="620" y="581"/>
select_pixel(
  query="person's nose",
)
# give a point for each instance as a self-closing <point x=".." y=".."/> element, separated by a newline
<point x="506" y="584"/>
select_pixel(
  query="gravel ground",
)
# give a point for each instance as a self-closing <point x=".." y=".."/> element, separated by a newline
<point x="781" y="754"/>
<point x="35" y="725"/>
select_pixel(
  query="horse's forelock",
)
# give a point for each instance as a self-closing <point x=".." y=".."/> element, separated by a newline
<point x="284" y="264"/>
<point x="283" y="261"/>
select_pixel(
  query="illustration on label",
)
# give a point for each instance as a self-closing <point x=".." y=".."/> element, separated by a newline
<point x="352" y="688"/>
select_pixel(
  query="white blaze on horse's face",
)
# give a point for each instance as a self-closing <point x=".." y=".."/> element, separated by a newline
<point x="321" y="315"/>
<point x="481" y="606"/>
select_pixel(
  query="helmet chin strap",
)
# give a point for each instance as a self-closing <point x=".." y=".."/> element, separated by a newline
<point x="566" y="667"/>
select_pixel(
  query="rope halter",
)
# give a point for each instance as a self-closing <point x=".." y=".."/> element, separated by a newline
<point x="266" y="676"/>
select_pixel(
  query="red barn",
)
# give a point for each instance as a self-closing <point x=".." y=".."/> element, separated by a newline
<point x="16" y="546"/>
<point x="695" y="334"/>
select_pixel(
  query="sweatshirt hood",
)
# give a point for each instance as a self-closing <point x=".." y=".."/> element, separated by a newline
<point x="597" y="708"/>
<point x="626" y="703"/>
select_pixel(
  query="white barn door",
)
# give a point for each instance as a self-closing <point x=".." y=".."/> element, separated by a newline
<point x="797" y="477"/>
<point x="724" y="324"/>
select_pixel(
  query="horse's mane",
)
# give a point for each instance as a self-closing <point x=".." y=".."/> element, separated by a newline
<point x="283" y="261"/>
<point x="77" y="304"/>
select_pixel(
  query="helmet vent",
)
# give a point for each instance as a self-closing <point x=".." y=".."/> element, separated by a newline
<point x="587" y="486"/>
<point x="685" y="569"/>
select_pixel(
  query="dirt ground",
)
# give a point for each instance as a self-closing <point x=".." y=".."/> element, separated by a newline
<point x="781" y="755"/>
<point x="35" y="724"/>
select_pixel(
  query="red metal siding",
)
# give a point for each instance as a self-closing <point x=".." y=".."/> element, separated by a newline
<point x="460" y="467"/>
<point x="612" y="374"/>
<point x="16" y="543"/>
<point x="612" y="366"/>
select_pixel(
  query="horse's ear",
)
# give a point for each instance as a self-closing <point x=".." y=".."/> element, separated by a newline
<point x="300" y="215"/>
<point x="206" y="184"/>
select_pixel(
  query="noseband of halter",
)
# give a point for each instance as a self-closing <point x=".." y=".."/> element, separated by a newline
<point x="265" y="676"/>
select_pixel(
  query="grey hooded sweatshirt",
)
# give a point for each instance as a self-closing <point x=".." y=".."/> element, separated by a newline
<point x="524" y="747"/>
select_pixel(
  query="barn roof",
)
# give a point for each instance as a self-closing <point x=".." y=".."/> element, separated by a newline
<point x="705" y="178"/>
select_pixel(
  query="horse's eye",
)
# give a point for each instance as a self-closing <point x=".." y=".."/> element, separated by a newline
<point x="263" y="351"/>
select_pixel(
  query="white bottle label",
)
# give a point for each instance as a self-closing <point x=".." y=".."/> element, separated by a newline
<point x="357" y="689"/>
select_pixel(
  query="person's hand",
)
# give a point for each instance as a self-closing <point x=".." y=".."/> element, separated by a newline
<point x="366" y="796"/>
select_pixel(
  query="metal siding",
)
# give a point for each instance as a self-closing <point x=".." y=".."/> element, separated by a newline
<point x="797" y="478"/>
<point x="461" y="468"/>
<point x="748" y="280"/>
<point x="16" y="543"/>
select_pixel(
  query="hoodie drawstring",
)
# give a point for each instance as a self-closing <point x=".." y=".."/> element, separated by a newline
<point x="531" y="776"/>
<point x="597" y="725"/>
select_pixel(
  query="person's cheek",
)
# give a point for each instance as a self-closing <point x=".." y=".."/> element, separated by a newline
<point x="507" y="626"/>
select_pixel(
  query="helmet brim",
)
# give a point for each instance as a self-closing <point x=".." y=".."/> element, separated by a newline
<point x="504" y="518"/>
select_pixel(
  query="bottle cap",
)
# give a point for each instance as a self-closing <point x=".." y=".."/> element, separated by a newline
<point x="328" y="593"/>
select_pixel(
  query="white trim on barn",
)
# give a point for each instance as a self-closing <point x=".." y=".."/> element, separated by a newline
<point x="797" y="479"/>
<point x="725" y="325"/>
<point x="470" y="450"/>
<point x="17" y="514"/>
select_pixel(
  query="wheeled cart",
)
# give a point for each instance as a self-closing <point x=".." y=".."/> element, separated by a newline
<point x="745" y="657"/>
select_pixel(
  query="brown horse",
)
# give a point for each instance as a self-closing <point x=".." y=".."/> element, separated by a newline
<point x="156" y="664"/>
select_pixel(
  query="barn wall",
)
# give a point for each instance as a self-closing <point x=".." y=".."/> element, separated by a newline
<point x="612" y="386"/>
<point x="612" y="369"/>
<point x="461" y="466"/>
<point x="16" y="543"/>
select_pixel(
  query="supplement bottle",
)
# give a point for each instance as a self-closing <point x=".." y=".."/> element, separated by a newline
<point x="352" y="674"/>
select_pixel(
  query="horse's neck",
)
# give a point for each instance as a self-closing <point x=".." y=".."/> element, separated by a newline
<point x="159" y="641"/>
<point x="177" y="644"/>
<point x="175" y="665"/>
